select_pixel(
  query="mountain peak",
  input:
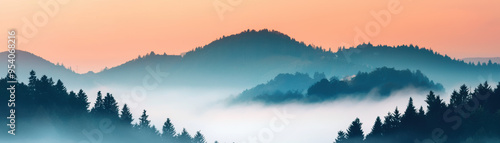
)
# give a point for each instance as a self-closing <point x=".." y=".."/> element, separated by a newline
<point x="248" y="36"/>
<point x="251" y="44"/>
<point x="263" y="33"/>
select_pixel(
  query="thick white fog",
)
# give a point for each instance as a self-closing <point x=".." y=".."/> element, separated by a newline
<point x="206" y="110"/>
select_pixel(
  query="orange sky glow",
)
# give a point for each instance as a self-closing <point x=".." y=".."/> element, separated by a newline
<point x="89" y="35"/>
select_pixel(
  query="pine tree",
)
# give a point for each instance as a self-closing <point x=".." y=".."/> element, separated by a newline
<point x="497" y="89"/>
<point x="61" y="90"/>
<point x="436" y="108"/>
<point x="494" y="100"/>
<point x="397" y="116"/>
<point x="110" y="106"/>
<point x="126" y="116"/>
<point x="454" y="99"/>
<point x="354" y="132"/>
<point x="144" y="123"/>
<point x="392" y="122"/>
<point x="421" y="112"/>
<point x="59" y="95"/>
<point x="388" y="126"/>
<point x="42" y="90"/>
<point x="184" y="137"/>
<point x="460" y="98"/>
<point x="32" y="80"/>
<point x="72" y="95"/>
<point x="341" y="137"/>
<point x="98" y="108"/>
<point x="420" y="123"/>
<point x="409" y="123"/>
<point x="409" y="118"/>
<point x="199" y="138"/>
<point x="71" y="102"/>
<point x="434" y="104"/>
<point x="168" y="131"/>
<point x="376" y="133"/>
<point x="82" y="101"/>
<point x="154" y="131"/>
<point x="484" y="92"/>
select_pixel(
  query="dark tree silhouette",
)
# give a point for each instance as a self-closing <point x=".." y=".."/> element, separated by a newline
<point x="32" y="80"/>
<point x="126" y="116"/>
<point x="460" y="98"/>
<point x="82" y="102"/>
<point x="435" y="110"/>
<point x="46" y="109"/>
<point x="110" y="106"/>
<point x="168" y="131"/>
<point x="392" y="123"/>
<point x="408" y="120"/>
<point x="354" y="132"/>
<point x="494" y="101"/>
<point x="144" y="123"/>
<point x="386" y="80"/>
<point x="98" y="109"/>
<point x="475" y="116"/>
<point x="60" y="89"/>
<point x="377" y="132"/>
<point x="341" y="137"/>
<point x="199" y="138"/>
<point x="184" y="137"/>
<point x="409" y="123"/>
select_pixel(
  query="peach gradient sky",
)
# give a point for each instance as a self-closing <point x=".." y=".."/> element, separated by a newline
<point x="89" y="35"/>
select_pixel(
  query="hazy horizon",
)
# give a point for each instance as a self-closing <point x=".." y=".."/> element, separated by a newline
<point x="75" y="68"/>
<point x="210" y="112"/>
<point x="248" y="71"/>
<point x="98" y="29"/>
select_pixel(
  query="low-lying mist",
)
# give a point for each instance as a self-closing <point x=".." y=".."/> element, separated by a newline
<point x="208" y="110"/>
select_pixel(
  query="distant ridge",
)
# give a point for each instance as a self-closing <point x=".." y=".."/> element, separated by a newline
<point x="253" y="57"/>
<point x="482" y="60"/>
<point x="26" y="61"/>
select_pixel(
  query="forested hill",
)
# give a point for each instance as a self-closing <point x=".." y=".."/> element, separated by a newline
<point x="252" y="57"/>
<point x="45" y="111"/>
<point x="470" y="116"/>
<point x="438" y="67"/>
<point x="298" y="87"/>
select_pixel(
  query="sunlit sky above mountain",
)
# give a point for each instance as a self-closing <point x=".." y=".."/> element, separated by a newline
<point x="92" y="34"/>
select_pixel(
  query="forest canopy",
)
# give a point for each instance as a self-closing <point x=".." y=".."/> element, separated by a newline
<point x="471" y="116"/>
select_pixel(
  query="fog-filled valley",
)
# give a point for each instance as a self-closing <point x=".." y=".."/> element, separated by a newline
<point x="254" y="86"/>
<point x="207" y="110"/>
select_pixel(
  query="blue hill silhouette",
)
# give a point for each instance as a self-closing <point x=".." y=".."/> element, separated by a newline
<point x="305" y="89"/>
<point x="252" y="57"/>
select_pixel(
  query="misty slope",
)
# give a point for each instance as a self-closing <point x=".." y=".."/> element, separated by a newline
<point x="296" y="83"/>
<point x="252" y="57"/>
<point x="133" y="72"/>
<point x="242" y="60"/>
<point x="25" y="62"/>
<point x="300" y="87"/>
<point x="257" y="56"/>
<point x="437" y="67"/>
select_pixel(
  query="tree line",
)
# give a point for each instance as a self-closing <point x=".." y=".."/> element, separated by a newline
<point x="302" y="88"/>
<point x="471" y="116"/>
<point x="46" y="111"/>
